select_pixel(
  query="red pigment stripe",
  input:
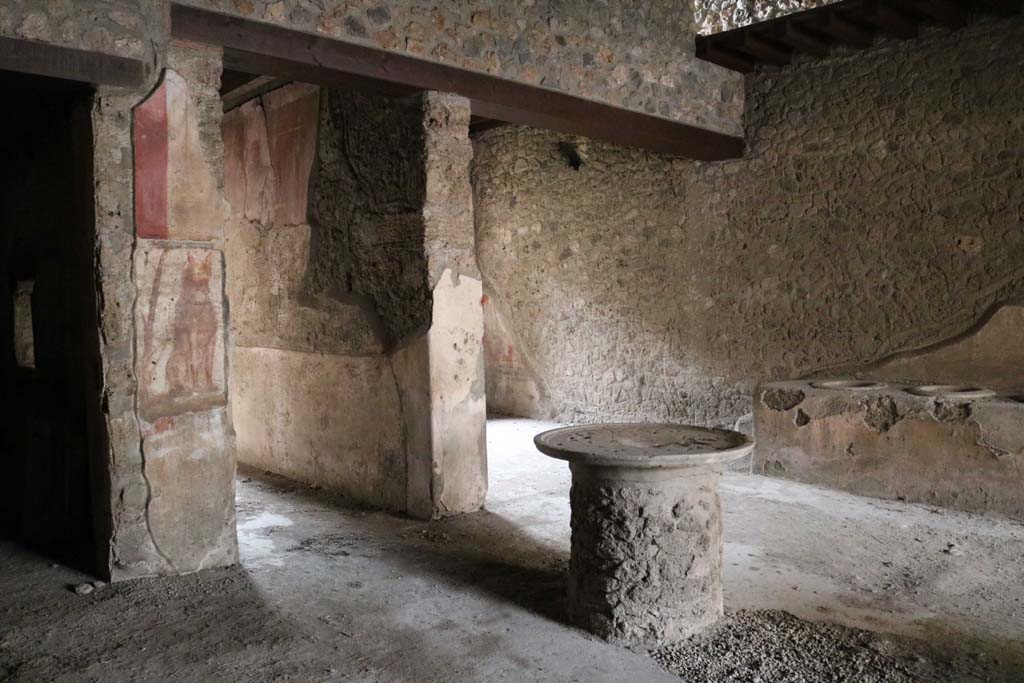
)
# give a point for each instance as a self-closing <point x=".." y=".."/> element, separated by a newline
<point x="150" y="141"/>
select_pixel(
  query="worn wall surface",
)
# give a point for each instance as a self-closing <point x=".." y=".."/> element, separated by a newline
<point x="313" y="394"/>
<point x="878" y="211"/>
<point x="964" y="453"/>
<point x="988" y="356"/>
<point x="619" y="53"/>
<point x="187" y="520"/>
<point x="357" y="326"/>
<point x="635" y="55"/>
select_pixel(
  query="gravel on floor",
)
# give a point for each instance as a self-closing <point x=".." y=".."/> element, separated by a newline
<point x="770" y="646"/>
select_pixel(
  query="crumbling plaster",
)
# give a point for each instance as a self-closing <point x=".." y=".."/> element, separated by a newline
<point x="890" y="443"/>
<point x="313" y="394"/>
<point x="378" y="296"/>
<point x="878" y="210"/>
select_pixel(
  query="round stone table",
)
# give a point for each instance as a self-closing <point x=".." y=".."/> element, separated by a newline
<point x="646" y="562"/>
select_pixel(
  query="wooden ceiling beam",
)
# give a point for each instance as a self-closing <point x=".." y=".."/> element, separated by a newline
<point x="888" y="20"/>
<point x="250" y="90"/>
<point x="257" y="47"/>
<point x="948" y="13"/>
<point x="765" y="50"/>
<point x="800" y="39"/>
<point x="843" y="30"/>
<point x="723" y="56"/>
<point x="82" y="66"/>
<point x="850" y="22"/>
<point x="1001" y="8"/>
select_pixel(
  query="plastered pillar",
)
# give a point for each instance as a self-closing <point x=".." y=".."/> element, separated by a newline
<point x="440" y="372"/>
<point x="174" y="512"/>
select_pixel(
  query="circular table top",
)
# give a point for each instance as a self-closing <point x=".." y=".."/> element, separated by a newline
<point x="643" y="445"/>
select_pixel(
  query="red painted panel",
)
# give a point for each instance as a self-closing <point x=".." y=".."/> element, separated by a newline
<point x="150" y="142"/>
<point x="292" y="116"/>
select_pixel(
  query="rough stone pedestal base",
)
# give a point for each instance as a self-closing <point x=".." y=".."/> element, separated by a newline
<point x="646" y="565"/>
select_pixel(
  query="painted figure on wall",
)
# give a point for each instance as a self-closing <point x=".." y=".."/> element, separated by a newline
<point x="190" y="367"/>
<point x="180" y="316"/>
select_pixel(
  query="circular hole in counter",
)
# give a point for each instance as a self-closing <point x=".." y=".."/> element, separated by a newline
<point x="848" y="385"/>
<point x="950" y="391"/>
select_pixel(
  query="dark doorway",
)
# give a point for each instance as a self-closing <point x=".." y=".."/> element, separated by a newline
<point x="52" y="433"/>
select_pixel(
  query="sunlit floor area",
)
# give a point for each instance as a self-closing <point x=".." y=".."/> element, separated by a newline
<point x="329" y="592"/>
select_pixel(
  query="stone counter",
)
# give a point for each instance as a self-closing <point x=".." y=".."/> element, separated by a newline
<point x="931" y="445"/>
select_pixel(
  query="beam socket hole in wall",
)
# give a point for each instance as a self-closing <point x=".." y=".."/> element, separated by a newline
<point x="574" y="154"/>
<point x="848" y="385"/>
<point x="950" y="391"/>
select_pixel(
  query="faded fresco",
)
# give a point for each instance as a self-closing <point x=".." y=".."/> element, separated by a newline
<point x="176" y="193"/>
<point x="179" y="317"/>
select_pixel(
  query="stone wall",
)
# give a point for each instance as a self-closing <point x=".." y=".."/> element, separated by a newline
<point x="313" y="395"/>
<point x="877" y="211"/>
<point x="638" y="57"/>
<point x="634" y="55"/>
<point x="987" y="355"/>
<point x="355" y="296"/>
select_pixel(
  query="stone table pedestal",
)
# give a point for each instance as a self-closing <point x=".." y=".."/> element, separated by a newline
<point x="646" y="563"/>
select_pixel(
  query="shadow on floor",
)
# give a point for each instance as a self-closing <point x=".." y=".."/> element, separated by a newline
<point x="203" y="626"/>
<point x="481" y="551"/>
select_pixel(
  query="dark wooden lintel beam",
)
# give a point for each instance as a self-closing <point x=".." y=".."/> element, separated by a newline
<point x="843" y="30"/>
<point x="948" y="13"/>
<point x="765" y="50"/>
<point x="267" y="49"/>
<point x="83" y="66"/>
<point x="887" y="19"/>
<point x="1001" y="8"/>
<point x="801" y="39"/>
<point x="263" y="65"/>
<point x="712" y="51"/>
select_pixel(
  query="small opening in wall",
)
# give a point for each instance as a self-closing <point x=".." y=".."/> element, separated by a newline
<point x="572" y="154"/>
<point x="24" y="342"/>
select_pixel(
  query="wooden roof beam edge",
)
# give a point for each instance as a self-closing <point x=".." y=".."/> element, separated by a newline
<point x="83" y="66"/>
<point x="845" y="31"/>
<point x="267" y="49"/>
<point x="257" y="87"/>
<point x="889" y="20"/>
<point x="800" y="39"/>
<point x="948" y="13"/>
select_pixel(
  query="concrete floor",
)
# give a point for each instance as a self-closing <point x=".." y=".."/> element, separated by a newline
<point x="333" y="593"/>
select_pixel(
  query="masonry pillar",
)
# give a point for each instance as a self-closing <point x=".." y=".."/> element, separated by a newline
<point x="173" y="500"/>
<point x="440" y="370"/>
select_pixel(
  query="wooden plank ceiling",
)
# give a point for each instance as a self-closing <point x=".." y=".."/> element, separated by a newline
<point x="851" y="23"/>
<point x="252" y="47"/>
